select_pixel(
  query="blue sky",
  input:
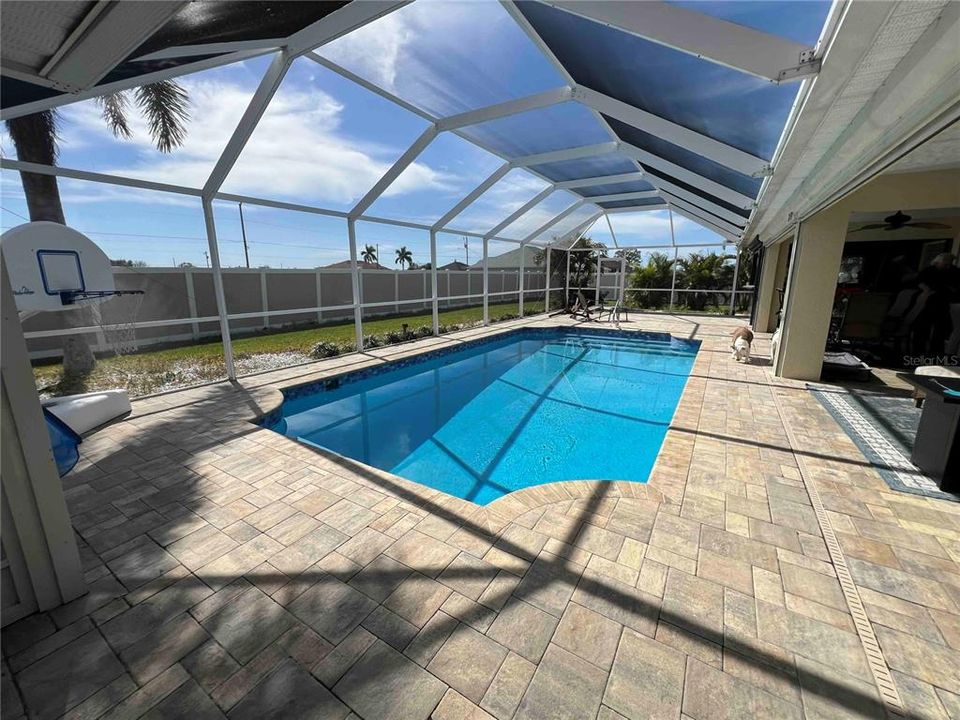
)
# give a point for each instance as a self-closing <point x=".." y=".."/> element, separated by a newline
<point x="325" y="141"/>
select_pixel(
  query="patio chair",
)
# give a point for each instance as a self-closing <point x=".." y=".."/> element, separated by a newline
<point x="582" y="307"/>
<point x="614" y="312"/>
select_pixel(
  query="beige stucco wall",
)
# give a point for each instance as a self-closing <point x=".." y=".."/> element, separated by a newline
<point x="771" y="276"/>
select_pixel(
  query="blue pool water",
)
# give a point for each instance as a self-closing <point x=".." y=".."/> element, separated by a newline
<point x="531" y="407"/>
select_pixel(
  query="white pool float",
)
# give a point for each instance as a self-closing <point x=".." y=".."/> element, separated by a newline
<point x="86" y="412"/>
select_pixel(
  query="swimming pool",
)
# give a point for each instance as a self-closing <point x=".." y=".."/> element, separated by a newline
<point x="524" y="408"/>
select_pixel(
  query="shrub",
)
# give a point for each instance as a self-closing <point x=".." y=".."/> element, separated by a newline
<point x="326" y="349"/>
<point x="423" y="331"/>
<point x="394" y="336"/>
<point x="372" y="341"/>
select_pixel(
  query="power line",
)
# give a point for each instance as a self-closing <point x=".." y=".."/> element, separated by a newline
<point x="15" y="213"/>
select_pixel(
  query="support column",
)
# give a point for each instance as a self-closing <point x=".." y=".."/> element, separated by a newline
<point x="733" y="290"/>
<point x="218" y="288"/>
<point x="546" y="288"/>
<point x="596" y="292"/>
<point x="192" y="302"/>
<point x="433" y="283"/>
<point x="355" y="284"/>
<point x="566" y="281"/>
<point x="486" y="281"/>
<point x="814" y="267"/>
<point x="673" y="280"/>
<point x="765" y="318"/>
<point x="523" y="257"/>
<point x="41" y="561"/>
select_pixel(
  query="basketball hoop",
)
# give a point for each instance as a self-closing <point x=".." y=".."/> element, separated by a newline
<point x="118" y="329"/>
<point x="69" y="297"/>
<point x="54" y="268"/>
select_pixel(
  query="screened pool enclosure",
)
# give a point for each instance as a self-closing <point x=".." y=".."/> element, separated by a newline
<point x="558" y="121"/>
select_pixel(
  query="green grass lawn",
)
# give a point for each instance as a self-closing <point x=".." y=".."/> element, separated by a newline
<point x="151" y="371"/>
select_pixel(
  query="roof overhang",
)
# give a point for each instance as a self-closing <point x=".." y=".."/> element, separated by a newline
<point x="889" y="81"/>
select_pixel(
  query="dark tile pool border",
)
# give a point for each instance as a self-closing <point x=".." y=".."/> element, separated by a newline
<point x="337" y="380"/>
<point x="888" y="460"/>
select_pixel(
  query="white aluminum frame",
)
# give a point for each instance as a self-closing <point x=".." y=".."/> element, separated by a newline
<point x="761" y="54"/>
<point x="704" y="145"/>
<point x="754" y="53"/>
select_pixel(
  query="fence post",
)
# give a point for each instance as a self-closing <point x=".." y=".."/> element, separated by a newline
<point x="192" y="302"/>
<point x="264" y="301"/>
<point x="733" y="292"/>
<point x="319" y="298"/>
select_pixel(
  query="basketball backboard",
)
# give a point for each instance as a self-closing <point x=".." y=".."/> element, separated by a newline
<point x="52" y="267"/>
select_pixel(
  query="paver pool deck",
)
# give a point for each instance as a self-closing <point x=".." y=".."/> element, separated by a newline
<point x="764" y="571"/>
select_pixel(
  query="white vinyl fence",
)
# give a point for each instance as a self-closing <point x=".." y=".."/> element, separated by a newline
<point x="179" y="304"/>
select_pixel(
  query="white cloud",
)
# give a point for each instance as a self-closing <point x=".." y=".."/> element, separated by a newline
<point x="499" y="202"/>
<point x="432" y="53"/>
<point x="653" y="228"/>
<point x="297" y="151"/>
<point x="652" y="223"/>
<point x="374" y="52"/>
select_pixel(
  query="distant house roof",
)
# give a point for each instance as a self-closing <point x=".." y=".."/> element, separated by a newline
<point x="455" y="265"/>
<point x="361" y="265"/>
<point x="511" y="259"/>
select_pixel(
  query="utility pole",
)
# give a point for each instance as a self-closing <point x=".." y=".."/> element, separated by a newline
<point x="206" y="256"/>
<point x="243" y="231"/>
<point x="466" y="246"/>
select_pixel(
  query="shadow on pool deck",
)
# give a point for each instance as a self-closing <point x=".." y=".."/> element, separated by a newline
<point x="552" y="577"/>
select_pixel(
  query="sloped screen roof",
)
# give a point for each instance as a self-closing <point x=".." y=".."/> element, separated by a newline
<point x="638" y="115"/>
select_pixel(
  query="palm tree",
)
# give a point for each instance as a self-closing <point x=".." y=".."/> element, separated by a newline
<point x="583" y="264"/>
<point x="657" y="273"/>
<point x="404" y="257"/>
<point x="164" y="105"/>
<point x="369" y="254"/>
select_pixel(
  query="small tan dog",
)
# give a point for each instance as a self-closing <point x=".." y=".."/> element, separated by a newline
<point x="742" y="339"/>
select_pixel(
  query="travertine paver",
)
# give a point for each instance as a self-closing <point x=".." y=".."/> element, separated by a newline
<point x="468" y="661"/>
<point x="289" y="692"/>
<point x="563" y="686"/>
<point x="660" y="667"/>
<point x="588" y="635"/>
<point x="384" y="684"/>
<point x="234" y="572"/>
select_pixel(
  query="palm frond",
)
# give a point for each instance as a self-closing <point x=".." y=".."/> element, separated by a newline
<point x="35" y="137"/>
<point x="165" y="106"/>
<point x="113" y="110"/>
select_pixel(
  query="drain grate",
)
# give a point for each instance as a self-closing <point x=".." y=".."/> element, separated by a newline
<point x="878" y="664"/>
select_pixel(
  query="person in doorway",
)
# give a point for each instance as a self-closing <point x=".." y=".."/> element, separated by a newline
<point x="940" y="288"/>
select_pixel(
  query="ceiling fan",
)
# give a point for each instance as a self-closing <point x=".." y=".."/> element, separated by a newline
<point x="901" y="220"/>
